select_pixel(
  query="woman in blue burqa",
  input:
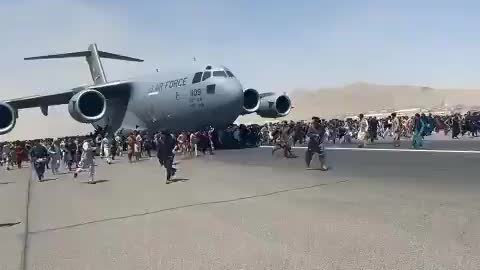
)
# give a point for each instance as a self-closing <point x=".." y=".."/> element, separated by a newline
<point x="418" y="129"/>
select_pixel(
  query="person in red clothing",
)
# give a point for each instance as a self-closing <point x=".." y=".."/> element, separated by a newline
<point x="19" y="155"/>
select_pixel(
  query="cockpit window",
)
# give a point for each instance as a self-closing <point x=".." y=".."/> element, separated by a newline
<point x="197" y="77"/>
<point x="229" y="73"/>
<point x="219" y="73"/>
<point x="206" y="75"/>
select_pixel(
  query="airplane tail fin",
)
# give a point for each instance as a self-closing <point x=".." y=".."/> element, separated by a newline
<point x="92" y="56"/>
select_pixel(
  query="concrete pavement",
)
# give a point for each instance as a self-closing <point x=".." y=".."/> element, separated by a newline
<point x="244" y="209"/>
<point x="13" y="199"/>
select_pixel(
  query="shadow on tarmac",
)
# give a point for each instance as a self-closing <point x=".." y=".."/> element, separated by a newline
<point x="5" y="183"/>
<point x="178" y="180"/>
<point x="48" y="179"/>
<point x="96" y="182"/>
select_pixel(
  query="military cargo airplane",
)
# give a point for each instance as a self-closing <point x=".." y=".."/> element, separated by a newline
<point x="185" y="100"/>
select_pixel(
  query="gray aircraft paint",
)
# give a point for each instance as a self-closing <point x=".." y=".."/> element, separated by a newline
<point x="184" y="107"/>
<point x="163" y="100"/>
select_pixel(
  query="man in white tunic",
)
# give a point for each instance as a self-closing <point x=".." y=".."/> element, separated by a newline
<point x="106" y="149"/>
<point x="362" y="131"/>
<point x="87" y="160"/>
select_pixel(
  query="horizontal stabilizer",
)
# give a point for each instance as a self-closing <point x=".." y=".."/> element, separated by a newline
<point x="62" y="55"/>
<point x="85" y="54"/>
<point x="118" y="56"/>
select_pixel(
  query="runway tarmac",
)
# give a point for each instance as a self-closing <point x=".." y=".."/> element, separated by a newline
<point x="244" y="209"/>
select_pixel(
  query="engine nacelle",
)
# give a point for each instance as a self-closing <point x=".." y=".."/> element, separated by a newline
<point x="274" y="106"/>
<point x="251" y="100"/>
<point x="87" y="106"/>
<point x="7" y="118"/>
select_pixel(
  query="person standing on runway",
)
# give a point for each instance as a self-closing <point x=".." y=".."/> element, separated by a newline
<point x="165" y="147"/>
<point x="396" y="130"/>
<point x="87" y="160"/>
<point x="455" y="127"/>
<point x="55" y="156"/>
<point x="362" y="131"/>
<point x="6" y="155"/>
<point x="193" y="144"/>
<point x="147" y="145"/>
<point x="106" y="149"/>
<point x="119" y="142"/>
<point x="316" y="135"/>
<point x="372" y="129"/>
<point x="285" y="140"/>
<point x="19" y="152"/>
<point x="98" y="144"/>
<point x="113" y="148"/>
<point x="131" y="147"/>
<point x="138" y="149"/>
<point x="418" y="129"/>
<point x="39" y="156"/>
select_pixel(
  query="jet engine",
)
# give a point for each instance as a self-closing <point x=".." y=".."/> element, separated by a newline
<point x="87" y="106"/>
<point x="251" y="100"/>
<point x="7" y="118"/>
<point x="274" y="106"/>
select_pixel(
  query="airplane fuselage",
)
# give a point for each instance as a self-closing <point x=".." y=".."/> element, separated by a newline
<point x="179" y="101"/>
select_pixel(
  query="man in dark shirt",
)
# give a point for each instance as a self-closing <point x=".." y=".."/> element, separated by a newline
<point x="165" y="155"/>
<point x="72" y="148"/>
<point x="39" y="156"/>
<point x="372" y="129"/>
<point x="316" y="135"/>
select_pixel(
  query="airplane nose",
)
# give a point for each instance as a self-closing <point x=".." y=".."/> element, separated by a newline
<point x="236" y="89"/>
<point x="231" y="94"/>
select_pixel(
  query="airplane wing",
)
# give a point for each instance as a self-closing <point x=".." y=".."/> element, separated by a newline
<point x="109" y="90"/>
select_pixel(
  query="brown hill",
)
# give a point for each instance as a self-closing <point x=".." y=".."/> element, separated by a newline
<point x="364" y="97"/>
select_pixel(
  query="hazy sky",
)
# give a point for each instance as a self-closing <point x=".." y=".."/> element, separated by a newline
<point x="269" y="45"/>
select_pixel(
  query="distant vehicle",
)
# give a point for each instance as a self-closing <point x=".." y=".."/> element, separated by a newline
<point x="183" y="100"/>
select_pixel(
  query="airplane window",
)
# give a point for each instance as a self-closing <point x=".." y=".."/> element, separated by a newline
<point x="197" y="77"/>
<point x="229" y="73"/>
<point x="211" y="89"/>
<point x="206" y="75"/>
<point x="219" y="74"/>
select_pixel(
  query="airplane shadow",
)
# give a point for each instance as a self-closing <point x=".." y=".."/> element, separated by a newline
<point x="96" y="182"/>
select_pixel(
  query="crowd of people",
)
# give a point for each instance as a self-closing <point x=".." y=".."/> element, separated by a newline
<point x="77" y="154"/>
<point x="370" y="129"/>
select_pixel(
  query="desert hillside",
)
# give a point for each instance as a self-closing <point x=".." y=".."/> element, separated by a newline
<point x="364" y="97"/>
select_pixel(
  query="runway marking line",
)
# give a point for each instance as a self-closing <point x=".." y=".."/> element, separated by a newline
<point x="389" y="150"/>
